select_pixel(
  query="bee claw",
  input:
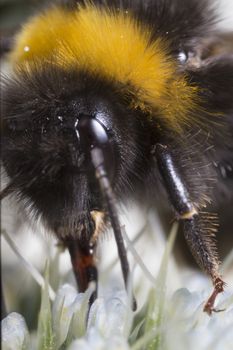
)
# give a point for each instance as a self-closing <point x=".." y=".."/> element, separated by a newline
<point x="210" y="310"/>
<point x="219" y="310"/>
<point x="218" y="288"/>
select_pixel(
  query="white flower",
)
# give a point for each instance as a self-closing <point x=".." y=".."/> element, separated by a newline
<point x="171" y="323"/>
<point x="188" y="327"/>
<point x="109" y="324"/>
<point x="111" y="315"/>
<point x="95" y="341"/>
<point x="15" y="334"/>
<point x="69" y="312"/>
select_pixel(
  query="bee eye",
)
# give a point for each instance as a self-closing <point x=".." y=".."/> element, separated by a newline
<point x="182" y="57"/>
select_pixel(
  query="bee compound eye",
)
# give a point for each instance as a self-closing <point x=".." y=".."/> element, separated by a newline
<point x="92" y="134"/>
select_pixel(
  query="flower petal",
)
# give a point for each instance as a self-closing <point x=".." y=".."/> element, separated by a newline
<point x="14" y="332"/>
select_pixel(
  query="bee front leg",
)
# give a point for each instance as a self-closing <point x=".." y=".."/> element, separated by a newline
<point x="199" y="228"/>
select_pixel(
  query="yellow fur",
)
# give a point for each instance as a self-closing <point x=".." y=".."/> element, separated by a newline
<point x="113" y="45"/>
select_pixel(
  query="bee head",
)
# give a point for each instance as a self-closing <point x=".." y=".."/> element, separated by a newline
<point x="51" y="120"/>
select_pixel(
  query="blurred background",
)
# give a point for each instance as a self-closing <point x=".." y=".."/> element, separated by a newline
<point x="22" y="292"/>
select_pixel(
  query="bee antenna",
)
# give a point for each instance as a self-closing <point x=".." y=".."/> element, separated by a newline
<point x="97" y="158"/>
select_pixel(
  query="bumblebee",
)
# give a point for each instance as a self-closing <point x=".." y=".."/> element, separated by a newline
<point x="107" y="101"/>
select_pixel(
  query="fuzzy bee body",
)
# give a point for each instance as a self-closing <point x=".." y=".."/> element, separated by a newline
<point x="106" y="100"/>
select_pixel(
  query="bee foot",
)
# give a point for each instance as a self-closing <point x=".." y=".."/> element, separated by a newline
<point x="218" y="288"/>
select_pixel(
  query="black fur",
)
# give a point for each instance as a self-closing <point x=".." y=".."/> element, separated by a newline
<point x="215" y="77"/>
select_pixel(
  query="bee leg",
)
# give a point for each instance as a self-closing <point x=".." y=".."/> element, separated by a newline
<point x="200" y="237"/>
<point x="199" y="228"/>
<point x="82" y="255"/>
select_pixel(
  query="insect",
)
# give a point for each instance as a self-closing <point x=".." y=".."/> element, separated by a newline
<point x="106" y="101"/>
